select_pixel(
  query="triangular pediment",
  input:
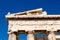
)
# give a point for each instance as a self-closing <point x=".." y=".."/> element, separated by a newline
<point x="30" y="13"/>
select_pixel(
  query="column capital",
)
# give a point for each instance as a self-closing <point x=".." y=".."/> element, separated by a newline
<point x="51" y="31"/>
<point x="30" y="31"/>
<point x="9" y="32"/>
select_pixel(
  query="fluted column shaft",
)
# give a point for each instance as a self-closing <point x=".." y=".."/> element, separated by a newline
<point x="51" y="36"/>
<point x="30" y="35"/>
<point x="12" y="36"/>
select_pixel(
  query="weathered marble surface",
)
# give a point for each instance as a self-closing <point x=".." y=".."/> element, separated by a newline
<point x="48" y="25"/>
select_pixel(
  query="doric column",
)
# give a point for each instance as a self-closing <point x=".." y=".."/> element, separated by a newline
<point x="12" y="36"/>
<point x="51" y="35"/>
<point x="30" y="35"/>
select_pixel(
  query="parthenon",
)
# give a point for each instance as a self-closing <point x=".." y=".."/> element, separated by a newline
<point x="33" y="22"/>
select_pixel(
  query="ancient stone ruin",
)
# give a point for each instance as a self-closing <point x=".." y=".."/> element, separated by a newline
<point x="33" y="22"/>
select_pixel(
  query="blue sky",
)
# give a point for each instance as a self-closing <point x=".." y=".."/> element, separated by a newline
<point x="14" y="6"/>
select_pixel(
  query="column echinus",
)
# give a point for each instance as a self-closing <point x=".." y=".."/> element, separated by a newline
<point x="30" y="35"/>
<point x="12" y="36"/>
<point x="51" y="35"/>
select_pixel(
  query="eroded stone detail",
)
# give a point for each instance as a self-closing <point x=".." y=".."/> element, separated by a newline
<point x="33" y="21"/>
